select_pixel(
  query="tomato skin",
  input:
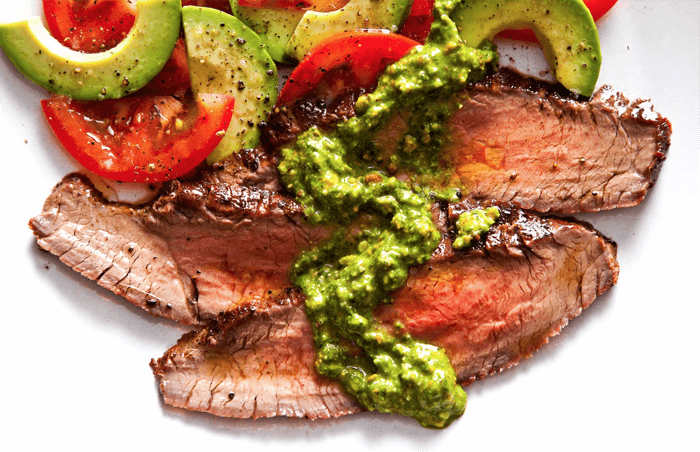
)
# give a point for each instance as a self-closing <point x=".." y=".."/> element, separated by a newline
<point x="417" y="25"/>
<point x="139" y="139"/>
<point x="360" y="56"/>
<point x="93" y="26"/>
<point x="174" y="78"/>
<point x="89" y="25"/>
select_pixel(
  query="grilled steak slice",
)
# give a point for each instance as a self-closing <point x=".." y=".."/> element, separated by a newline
<point x="256" y="361"/>
<point x="197" y="250"/>
<point x="489" y="307"/>
<point x="516" y="140"/>
<point x="519" y="141"/>
<point x="497" y="303"/>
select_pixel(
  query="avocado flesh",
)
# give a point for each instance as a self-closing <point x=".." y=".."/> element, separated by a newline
<point x="226" y="57"/>
<point x="95" y="76"/>
<point x="274" y="26"/>
<point x="565" y="28"/>
<point x="356" y="14"/>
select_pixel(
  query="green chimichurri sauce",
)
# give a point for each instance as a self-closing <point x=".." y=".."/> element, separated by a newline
<point x="385" y="227"/>
<point x="472" y="224"/>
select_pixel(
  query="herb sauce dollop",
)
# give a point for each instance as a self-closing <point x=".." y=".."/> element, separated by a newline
<point x="385" y="227"/>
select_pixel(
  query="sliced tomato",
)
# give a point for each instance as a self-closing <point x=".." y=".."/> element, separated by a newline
<point x="174" y="78"/>
<point x="97" y="25"/>
<point x="354" y="59"/>
<point x="140" y="139"/>
<point x="89" y="25"/>
<point x="417" y="25"/>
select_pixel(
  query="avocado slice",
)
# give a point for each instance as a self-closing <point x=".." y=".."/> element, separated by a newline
<point x="274" y="26"/>
<point x="96" y="76"/>
<point x="226" y="57"/>
<point x="565" y="28"/>
<point x="356" y="14"/>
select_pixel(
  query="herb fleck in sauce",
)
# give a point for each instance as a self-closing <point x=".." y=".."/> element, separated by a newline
<point x="385" y="227"/>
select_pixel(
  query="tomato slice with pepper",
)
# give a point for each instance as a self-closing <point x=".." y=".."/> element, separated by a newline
<point x="140" y="139"/>
<point x="93" y="26"/>
<point x="354" y="60"/>
<point x="174" y="78"/>
<point x="417" y="25"/>
<point x="89" y="25"/>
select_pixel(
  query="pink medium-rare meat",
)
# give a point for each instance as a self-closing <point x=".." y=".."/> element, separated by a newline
<point x="194" y="252"/>
<point x="228" y="233"/>
<point x="488" y="307"/>
<point x="493" y="305"/>
<point x="255" y="361"/>
<point x="516" y="140"/>
<point x="519" y="141"/>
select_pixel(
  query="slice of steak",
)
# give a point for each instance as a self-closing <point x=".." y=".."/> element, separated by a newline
<point x="256" y="361"/>
<point x="201" y="247"/>
<point x="494" y="304"/>
<point x="516" y="140"/>
<point x="488" y="307"/>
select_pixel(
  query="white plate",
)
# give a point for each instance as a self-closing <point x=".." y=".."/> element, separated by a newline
<point x="622" y="376"/>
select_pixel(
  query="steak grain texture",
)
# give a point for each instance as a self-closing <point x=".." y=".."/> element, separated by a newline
<point x="194" y="252"/>
<point x="516" y="140"/>
<point x="256" y="362"/>
<point x="519" y="141"/>
<point x="489" y="308"/>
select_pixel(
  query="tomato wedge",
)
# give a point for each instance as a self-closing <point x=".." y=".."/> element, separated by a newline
<point x="354" y="59"/>
<point x="140" y="139"/>
<point x="89" y="25"/>
<point x="174" y="78"/>
<point x="92" y="26"/>
<point x="417" y="25"/>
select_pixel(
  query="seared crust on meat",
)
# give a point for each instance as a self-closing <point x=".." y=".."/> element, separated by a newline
<point x="488" y="307"/>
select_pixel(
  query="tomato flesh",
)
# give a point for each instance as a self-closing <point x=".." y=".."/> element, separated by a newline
<point x="174" y="78"/>
<point x="353" y="60"/>
<point x="140" y="139"/>
<point x="93" y="26"/>
<point x="417" y="24"/>
<point x="89" y="25"/>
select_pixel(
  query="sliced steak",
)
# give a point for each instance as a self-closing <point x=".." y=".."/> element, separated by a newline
<point x="520" y="141"/>
<point x="489" y="307"/>
<point x="256" y="361"/>
<point x="497" y="303"/>
<point x="516" y="140"/>
<point x="197" y="250"/>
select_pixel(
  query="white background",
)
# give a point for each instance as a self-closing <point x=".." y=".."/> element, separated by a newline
<point x="622" y="376"/>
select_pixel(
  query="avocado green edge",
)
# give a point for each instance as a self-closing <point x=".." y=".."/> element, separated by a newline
<point x="237" y="137"/>
<point x="106" y="75"/>
<point x="565" y="28"/>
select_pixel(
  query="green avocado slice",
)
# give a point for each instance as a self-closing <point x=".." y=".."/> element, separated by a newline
<point x="356" y="14"/>
<point x="226" y="57"/>
<point x="565" y="28"/>
<point x="274" y="26"/>
<point x="95" y="76"/>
